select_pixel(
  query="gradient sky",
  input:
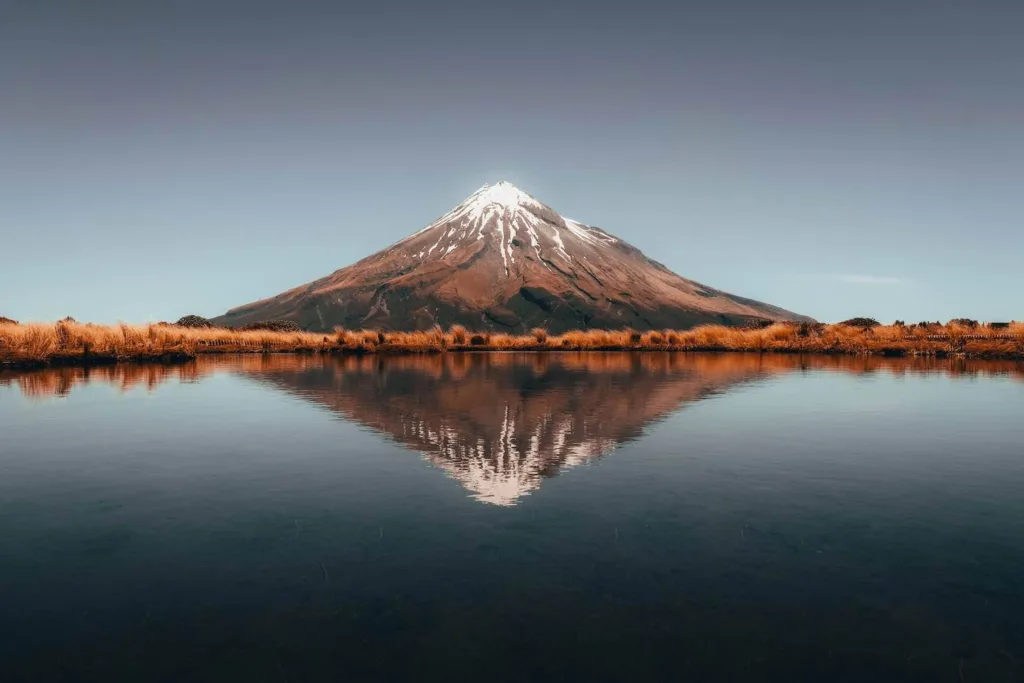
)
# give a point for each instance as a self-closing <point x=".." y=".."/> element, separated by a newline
<point x="833" y="158"/>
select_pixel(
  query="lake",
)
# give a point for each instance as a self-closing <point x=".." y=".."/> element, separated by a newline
<point x="514" y="517"/>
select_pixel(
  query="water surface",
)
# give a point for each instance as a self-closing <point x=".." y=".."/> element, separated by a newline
<point x="514" y="517"/>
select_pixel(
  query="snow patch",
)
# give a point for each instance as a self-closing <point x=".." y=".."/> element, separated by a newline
<point x="501" y="246"/>
<point x="435" y="245"/>
<point x="561" y="245"/>
<point x="588" y="234"/>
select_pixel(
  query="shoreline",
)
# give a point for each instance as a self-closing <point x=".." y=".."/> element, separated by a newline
<point x="178" y="358"/>
<point x="66" y="343"/>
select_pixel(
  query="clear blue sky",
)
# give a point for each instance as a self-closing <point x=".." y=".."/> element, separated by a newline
<point x="836" y="159"/>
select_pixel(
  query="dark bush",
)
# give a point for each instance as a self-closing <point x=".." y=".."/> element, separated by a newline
<point x="861" y="322"/>
<point x="273" y="326"/>
<point x="7" y="321"/>
<point x="757" y="324"/>
<point x="807" y="329"/>
<point x="635" y="337"/>
<point x="899" y="323"/>
<point x="963" y="322"/>
<point x="999" y="326"/>
<point x="193" y="321"/>
<point x="480" y="339"/>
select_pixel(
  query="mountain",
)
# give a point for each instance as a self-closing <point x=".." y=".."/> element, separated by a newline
<point x="503" y="261"/>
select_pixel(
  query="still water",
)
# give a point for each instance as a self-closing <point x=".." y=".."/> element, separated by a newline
<point x="575" y="517"/>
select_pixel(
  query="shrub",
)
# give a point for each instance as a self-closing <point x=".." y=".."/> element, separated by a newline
<point x="634" y="336"/>
<point x="502" y="341"/>
<point x="193" y="321"/>
<point x="368" y="338"/>
<point x="459" y="334"/>
<point x="480" y="339"/>
<point x="758" y="324"/>
<point x="272" y="326"/>
<point x="861" y="322"/>
<point x="540" y="335"/>
<point x="436" y="336"/>
<point x="808" y="329"/>
<point x="63" y="332"/>
<point x="781" y="332"/>
<point x="963" y="322"/>
<point x="7" y="321"/>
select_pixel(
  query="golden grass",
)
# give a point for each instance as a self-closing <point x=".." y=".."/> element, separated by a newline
<point x="41" y="342"/>
<point x="71" y="341"/>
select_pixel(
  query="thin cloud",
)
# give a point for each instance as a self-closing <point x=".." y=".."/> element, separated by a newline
<point x="870" y="279"/>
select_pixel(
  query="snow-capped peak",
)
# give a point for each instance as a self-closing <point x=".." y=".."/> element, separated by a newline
<point x="501" y="193"/>
<point x="512" y="219"/>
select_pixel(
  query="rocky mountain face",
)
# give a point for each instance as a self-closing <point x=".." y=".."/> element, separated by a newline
<point x="503" y="261"/>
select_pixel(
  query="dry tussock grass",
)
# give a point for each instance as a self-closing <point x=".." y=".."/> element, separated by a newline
<point x="38" y="341"/>
<point x="68" y="340"/>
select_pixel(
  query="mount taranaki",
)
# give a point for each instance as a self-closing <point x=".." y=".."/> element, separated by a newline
<point x="503" y="261"/>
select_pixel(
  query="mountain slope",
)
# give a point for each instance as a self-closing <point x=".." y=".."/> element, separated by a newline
<point x="503" y="261"/>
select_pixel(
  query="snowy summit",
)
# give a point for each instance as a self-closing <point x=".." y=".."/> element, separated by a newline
<point x="501" y="193"/>
<point x="511" y="217"/>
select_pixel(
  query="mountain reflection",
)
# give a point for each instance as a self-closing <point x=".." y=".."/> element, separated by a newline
<point x="499" y="423"/>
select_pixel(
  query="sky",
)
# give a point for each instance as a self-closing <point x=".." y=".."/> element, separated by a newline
<point x="837" y="159"/>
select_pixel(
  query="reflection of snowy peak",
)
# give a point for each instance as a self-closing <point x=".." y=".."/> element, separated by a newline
<point x="504" y="261"/>
<point x="501" y="470"/>
<point x="501" y="423"/>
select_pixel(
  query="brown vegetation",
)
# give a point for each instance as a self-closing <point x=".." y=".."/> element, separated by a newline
<point x="193" y="321"/>
<point x="272" y="326"/>
<point x="71" y="342"/>
<point x="861" y="322"/>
